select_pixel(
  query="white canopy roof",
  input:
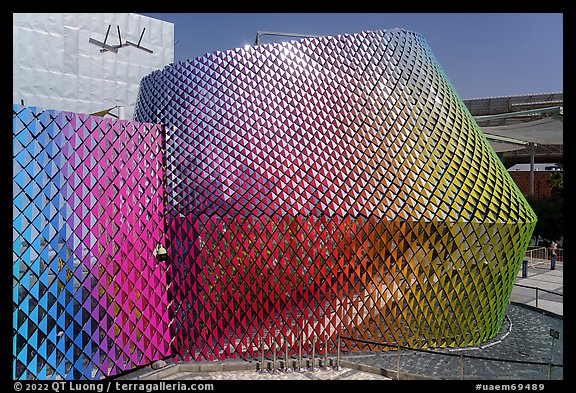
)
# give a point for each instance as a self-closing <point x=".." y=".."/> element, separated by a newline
<point x="546" y="131"/>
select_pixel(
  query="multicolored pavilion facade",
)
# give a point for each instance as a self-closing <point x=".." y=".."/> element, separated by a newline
<point x="325" y="186"/>
<point x="331" y="184"/>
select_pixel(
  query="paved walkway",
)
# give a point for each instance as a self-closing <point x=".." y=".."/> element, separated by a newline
<point x="246" y="370"/>
<point x="529" y="340"/>
<point x="540" y="276"/>
<point x="525" y="336"/>
<point x="344" y="374"/>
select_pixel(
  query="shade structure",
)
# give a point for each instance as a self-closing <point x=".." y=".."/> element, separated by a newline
<point x="326" y="185"/>
<point x="546" y="131"/>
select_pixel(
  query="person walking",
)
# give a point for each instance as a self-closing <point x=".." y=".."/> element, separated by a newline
<point x="553" y="251"/>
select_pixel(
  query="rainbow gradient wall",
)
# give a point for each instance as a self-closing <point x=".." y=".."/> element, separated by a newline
<point x="303" y="189"/>
<point x="331" y="184"/>
<point x="89" y="297"/>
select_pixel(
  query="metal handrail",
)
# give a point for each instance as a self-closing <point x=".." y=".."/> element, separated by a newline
<point x="396" y="345"/>
<point x="539" y="289"/>
<point x="461" y="356"/>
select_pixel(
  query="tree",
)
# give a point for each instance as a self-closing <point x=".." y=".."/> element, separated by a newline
<point x="556" y="183"/>
<point x="550" y="216"/>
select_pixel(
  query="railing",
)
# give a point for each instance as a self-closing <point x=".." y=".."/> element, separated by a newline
<point x="541" y="290"/>
<point x="536" y="256"/>
<point x="542" y="255"/>
<point x="452" y="362"/>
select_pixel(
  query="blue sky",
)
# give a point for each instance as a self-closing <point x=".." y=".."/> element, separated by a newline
<point x="483" y="54"/>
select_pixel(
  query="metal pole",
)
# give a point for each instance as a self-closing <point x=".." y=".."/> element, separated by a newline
<point x="531" y="144"/>
<point x="549" y="371"/>
<point x="338" y="368"/>
<point x="106" y="37"/>
<point x="300" y="368"/>
<point x="524" y="268"/>
<point x="287" y="368"/>
<point x="536" y="297"/>
<point x="274" y="369"/>
<point x="398" y="361"/>
<point x="461" y="366"/>
<point x="313" y="368"/>
<point x="326" y="366"/>
<point x="262" y="369"/>
<point x="262" y="349"/>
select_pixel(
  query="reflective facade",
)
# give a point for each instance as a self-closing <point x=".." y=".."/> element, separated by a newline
<point x="89" y="297"/>
<point x="332" y="184"/>
<point x="303" y="189"/>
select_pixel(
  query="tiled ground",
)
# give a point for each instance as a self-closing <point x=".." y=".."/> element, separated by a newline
<point x="345" y="374"/>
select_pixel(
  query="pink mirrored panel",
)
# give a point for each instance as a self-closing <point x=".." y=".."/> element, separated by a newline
<point x="89" y="296"/>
